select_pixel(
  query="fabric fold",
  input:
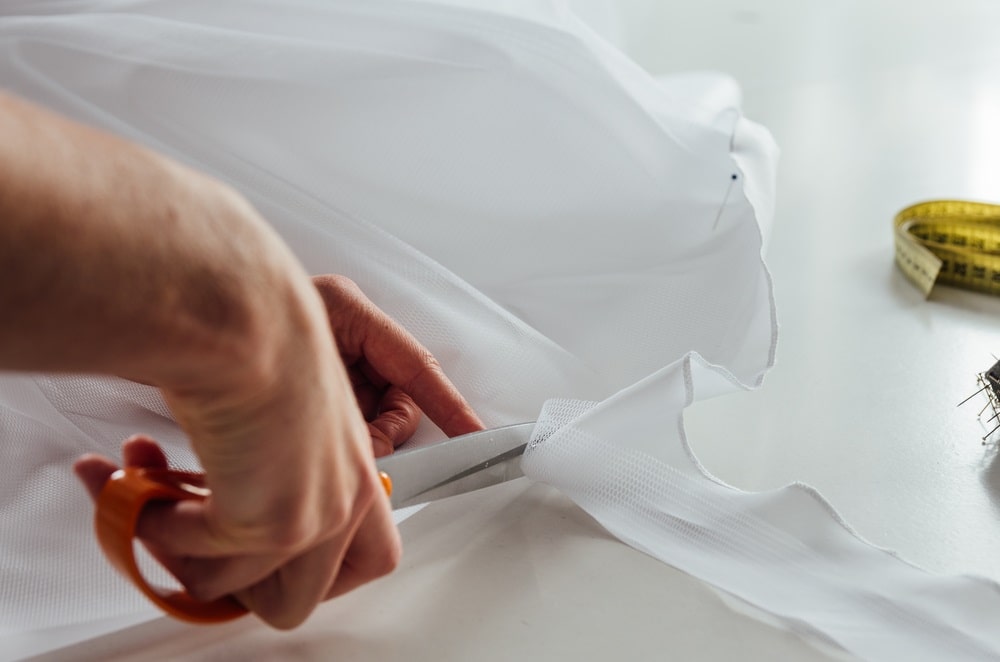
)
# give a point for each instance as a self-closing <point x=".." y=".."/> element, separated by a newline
<point x="627" y="462"/>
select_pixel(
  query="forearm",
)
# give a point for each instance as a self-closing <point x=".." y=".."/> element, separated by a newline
<point x="114" y="259"/>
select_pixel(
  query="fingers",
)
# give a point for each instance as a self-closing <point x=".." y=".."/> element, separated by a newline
<point x="423" y="379"/>
<point x="166" y="528"/>
<point x="93" y="471"/>
<point x="287" y="597"/>
<point x="366" y="393"/>
<point x="282" y="589"/>
<point x="403" y="361"/>
<point x="141" y="451"/>
<point x="362" y="330"/>
<point x="208" y="579"/>
<point x="184" y="528"/>
<point x="396" y="421"/>
<point x="138" y="451"/>
<point x="283" y="592"/>
<point x="375" y="551"/>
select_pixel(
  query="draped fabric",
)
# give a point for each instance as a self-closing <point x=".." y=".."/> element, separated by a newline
<point x="550" y="221"/>
<point x="546" y="218"/>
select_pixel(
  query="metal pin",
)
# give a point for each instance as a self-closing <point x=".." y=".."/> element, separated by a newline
<point x="732" y="180"/>
<point x="990" y="433"/>
<point x="985" y="386"/>
<point x="989" y="381"/>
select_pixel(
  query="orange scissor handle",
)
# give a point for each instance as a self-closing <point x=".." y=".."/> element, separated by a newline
<point x="119" y="505"/>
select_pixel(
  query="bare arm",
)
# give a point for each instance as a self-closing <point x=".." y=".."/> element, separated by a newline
<point x="150" y="268"/>
<point x="115" y="260"/>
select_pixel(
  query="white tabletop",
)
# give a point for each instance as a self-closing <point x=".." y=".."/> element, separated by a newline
<point x="875" y="106"/>
<point x="880" y="107"/>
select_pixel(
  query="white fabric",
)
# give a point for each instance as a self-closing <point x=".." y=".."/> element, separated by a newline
<point x="549" y="220"/>
<point x="490" y="181"/>
<point x="626" y="462"/>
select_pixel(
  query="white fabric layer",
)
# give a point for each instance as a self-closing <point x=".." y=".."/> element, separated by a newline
<point x="626" y="462"/>
<point x="489" y="181"/>
<point x="549" y="220"/>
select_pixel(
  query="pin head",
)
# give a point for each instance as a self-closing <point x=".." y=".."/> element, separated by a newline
<point x="989" y="383"/>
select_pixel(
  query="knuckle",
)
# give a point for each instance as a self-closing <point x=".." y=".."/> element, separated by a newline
<point x="429" y="361"/>
<point x="273" y="604"/>
<point x="203" y="579"/>
<point x="279" y="617"/>
<point x="337" y="292"/>
<point x="339" y="517"/>
<point x="343" y="282"/>
<point x="384" y="558"/>
<point x="388" y="559"/>
<point x="289" y="534"/>
<point x="335" y="285"/>
<point x="393" y="423"/>
<point x="429" y="367"/>
<point x="201" y="591"/>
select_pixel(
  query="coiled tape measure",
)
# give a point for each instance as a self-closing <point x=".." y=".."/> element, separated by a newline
<point x="957" y="243"/>
<point x="953" y="242"/>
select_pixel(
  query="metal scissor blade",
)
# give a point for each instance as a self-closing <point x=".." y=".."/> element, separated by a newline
<point x="457" y="465"/>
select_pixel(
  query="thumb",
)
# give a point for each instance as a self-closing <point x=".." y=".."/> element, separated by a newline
<point x="93" y="471"/>
<point x="137" y="451"/>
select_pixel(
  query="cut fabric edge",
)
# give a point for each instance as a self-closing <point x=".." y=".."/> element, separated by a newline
<point x="907" y="608"/>
<point x="806" y="634"/>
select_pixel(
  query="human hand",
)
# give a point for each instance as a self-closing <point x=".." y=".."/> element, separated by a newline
<point x="393" y="376"/>
<point x="297" y="513"/>
<point x="140" y="452"/>
<point x="122" y="262"/>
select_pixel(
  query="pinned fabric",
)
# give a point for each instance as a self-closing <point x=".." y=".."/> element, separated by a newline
<point x="549" y="220"/>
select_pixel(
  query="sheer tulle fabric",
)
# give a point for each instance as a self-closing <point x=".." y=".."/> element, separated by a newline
<point x="549" y="220"/>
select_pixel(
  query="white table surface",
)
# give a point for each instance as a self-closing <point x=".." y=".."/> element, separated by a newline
<point x="876" y="105"/>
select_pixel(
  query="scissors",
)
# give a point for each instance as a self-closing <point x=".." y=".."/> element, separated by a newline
<point x="410" y="477"/>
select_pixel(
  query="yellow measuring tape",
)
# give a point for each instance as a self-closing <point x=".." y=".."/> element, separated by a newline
<point x="952" y="242"/>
